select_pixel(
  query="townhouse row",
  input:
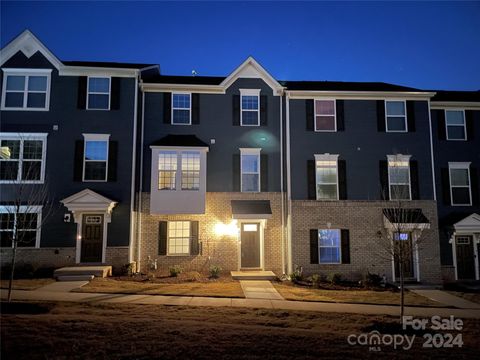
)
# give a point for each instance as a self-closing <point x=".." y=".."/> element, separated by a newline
<point x="115" y="163"/>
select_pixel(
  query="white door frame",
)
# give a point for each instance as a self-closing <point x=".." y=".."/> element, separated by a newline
<point x="262" y="225"/>
<point x="78" y="218"/>
<point x="476" y="240"/>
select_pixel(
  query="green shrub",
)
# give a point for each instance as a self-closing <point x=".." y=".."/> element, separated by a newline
<point x="215" y="271"/>
<point x="297" y="274"/>
<point x="372" y="280"/>
<point x="316" y="279"/>
<point x="334" y="278"/>
<point x="175" y="270"/>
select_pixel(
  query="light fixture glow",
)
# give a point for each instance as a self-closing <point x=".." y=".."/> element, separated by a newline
<point x="227" y="229"/>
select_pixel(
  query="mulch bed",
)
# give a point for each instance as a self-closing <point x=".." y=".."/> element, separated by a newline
<point x="344" y="285"/>
<point x="188" y="276"/>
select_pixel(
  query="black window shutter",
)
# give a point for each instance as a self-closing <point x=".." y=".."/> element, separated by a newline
<point x="82" y="93"/>
<point x="78" y="161"/>
<point x="236" y="172"/>
<point x="411" y="116"/>
<point x="414" y="180"/>
<point x="195" y="109"/>
<point x="469" y="124"/>
<point x="263" y="110"/>
<point x="340" y="115"/>
<point x="445" y="186"/>
<point x="345" y="246"/>
<point x="342" y="180"/>
<point x="381" y="115"/>
<point x="475" y="186"/>
<point x="167" y="108"/>
<point x="112" y="160"/>
<point x="264" y="172"/>
<point x="115" y="94"/>
<point x="311" y="179"/>
<point x="442" y="132"/>
<point x="313" y="246"/>
<point x="384" y="190"/>
<point x="310" y="114"/>
<point x="236" y="110"/>
<point x="162" y="238"/>
<point x="194" y="244"/>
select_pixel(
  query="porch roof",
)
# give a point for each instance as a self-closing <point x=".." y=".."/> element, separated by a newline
<point x="251" y="209"/>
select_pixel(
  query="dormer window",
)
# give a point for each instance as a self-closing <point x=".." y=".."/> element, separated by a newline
<point x="26" y="89"/>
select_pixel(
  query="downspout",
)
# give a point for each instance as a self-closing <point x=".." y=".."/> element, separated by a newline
<point x="134" y="161"/>
<point x="289" y="189"/>
<point x="140" y="188"/>
<point x="431" y="151"/>
<point x="281" y="184"/>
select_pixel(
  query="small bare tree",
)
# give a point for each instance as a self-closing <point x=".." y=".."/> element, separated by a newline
<point x="28" y="201"/>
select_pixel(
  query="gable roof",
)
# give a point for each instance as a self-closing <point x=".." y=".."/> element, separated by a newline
<point x="106" y="64"/>
<point x="180" y="140"/>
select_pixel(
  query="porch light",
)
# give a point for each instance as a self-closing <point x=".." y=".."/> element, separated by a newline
<point x="227" y="229"/>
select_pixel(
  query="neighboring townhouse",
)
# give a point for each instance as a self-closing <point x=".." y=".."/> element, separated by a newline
<point x="68" y="126"/>
<point x="456" y="142"/>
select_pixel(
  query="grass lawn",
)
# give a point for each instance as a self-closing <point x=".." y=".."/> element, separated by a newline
<point x="212" y="288"/>
<point x="294" y="292"/>
<point x="126" y="331"/>
<point x="473" y="297"/>
<point x="26" y="284"/>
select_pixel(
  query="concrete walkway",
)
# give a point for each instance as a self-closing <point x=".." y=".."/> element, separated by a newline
<point x="63" y="286"/>
<point x="259" y="289"/>
<point x="37" y="295"/>
<point x="447" y="299"/>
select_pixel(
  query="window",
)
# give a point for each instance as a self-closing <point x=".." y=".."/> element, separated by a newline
<point x="26" y="90"/>
<point x="167" y="170"/>
<point x="326" y="176"/>
<point x="178" y="237"/>
<point x="249" y="105"/>
<point x="325" y="111"/>
<point x="399" y="177"/>
<point x="23" y="157"/>
<point x="455" y="123"/>
<point x="190" y="170"/>
<point x="95" y="163"/>
<point x="98" y="97"/>
<point x="27" y="222"/>
<point x="460" y="184"/>
<point x="250" y="170"/>
<point x="181" y="111"/>
<point x="396" y="116"/>
<point x="329" y="246"/>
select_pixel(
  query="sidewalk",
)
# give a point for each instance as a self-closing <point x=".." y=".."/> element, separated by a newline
<point x="446" y="298"/>
<point x="259" y="289"/>
<point x="42" y="295"/>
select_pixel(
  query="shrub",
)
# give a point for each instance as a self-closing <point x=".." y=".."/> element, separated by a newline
<point x="215" y="271"/>
<point x="297" y="274"/>
<point x="316" y="279"/>
<point x="334" y="278"/>
<point x="373" y="280"/>
<point x="175" y="270"/>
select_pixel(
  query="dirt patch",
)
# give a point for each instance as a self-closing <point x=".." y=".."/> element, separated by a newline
<point x="470" y="296"/>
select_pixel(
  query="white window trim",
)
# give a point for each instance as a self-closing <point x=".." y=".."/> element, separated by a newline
<point x="464" y="124"/>
<point x="95" y="137"/>
<point x="181" y="168"/>
<point x="399" y="158"/>
<point x="34" y="209"/>
<point x="250" y="151"/>
<point x="462" y="166"/>
<point x="404" y="116"/>
<point x="174" y="108"/>
<point x="22" y="137"/>
<point x="27" y="73"/>
<point x="250" y="92"/>
<point x="339" y="247"/>
<point x="100" y="93"/>
<point x="326" y="157"/>
<point x="334" y="114"/>
<point x="168" y="238"/>
<point x="176" y="170"/>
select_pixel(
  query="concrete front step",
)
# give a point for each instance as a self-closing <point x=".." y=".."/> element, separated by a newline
<point x="98" y="271"/>
<point x="75" y="277"/>
<point x="253" y="275"/>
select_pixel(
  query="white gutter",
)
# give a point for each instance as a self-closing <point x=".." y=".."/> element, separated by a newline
<point x="289" y="190"/>
<point x="367" y="95"/>
<point x="431" y="152"/>
<point x="281" y="185"/>
<point x="140" y="190"/>
<point x="134" y="161"/>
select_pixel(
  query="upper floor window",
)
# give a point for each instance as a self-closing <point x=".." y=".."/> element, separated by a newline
<point x="325" y="111"/>
<point x="22" y="157"/>
<point x="190" y="170"/>
<point x="189" y="175"/>
<point x="460" y="191"/>
<point x="399" y="177"/>
<point x="249" y="107"/>
<point x="250" y="170"/>
<point x="326" y="170"/>
<point x="181" y="109"/>
<point x="455" y="123"/>
<point x="98" y="96"/>
<point x="396" y="117"/>
<point x="26" y="89"/>
<point x="167" y="170"/>
<point x="27" y="222"/>
<point x="95" y="160"/>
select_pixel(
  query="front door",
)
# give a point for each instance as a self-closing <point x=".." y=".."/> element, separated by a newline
<point x="465" y="260"/>
<point x="92" y="238"/>
<point x="250" y="245"/>
<point x="404" y="255"/>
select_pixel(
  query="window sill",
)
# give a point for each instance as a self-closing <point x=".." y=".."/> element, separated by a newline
<point x="16" y="182"/>
<point x="24" y="109"/>
<point x="178" y="255"/>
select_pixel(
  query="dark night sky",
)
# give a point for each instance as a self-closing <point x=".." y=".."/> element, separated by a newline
<point x="429" y="45"/>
